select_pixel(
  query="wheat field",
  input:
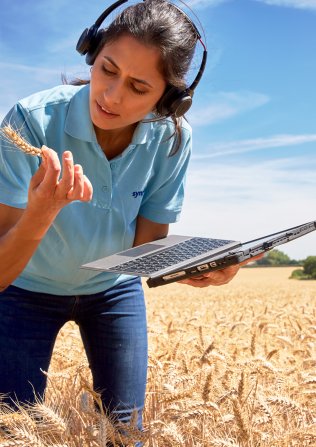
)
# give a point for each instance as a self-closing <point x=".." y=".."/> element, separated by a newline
<point x="228" y="366"/>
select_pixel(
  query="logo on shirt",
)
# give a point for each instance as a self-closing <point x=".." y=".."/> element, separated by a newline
<point x="136" y="194"/>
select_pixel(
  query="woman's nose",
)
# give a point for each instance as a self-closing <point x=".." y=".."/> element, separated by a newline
<point x="113" y="92"/>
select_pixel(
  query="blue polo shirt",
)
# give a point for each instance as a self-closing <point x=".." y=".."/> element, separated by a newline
<point x="143" y="180"/>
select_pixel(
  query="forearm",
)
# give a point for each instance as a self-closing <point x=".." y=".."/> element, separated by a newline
<point x="148" y="231"/>
<point x="18" y="245"/>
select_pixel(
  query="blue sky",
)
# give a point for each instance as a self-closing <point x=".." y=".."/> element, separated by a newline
<point x="253" y="118"/>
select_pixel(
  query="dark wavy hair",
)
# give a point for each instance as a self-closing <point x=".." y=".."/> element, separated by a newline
<point x="159" y="24"/>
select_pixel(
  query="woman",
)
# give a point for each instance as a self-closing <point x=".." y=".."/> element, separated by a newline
<point x="57" y="215"/>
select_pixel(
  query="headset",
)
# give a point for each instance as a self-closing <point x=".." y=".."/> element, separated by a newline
<point x="175" y="101"/>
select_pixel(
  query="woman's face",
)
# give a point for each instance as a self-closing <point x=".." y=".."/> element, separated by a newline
<point x="126" y="83"/>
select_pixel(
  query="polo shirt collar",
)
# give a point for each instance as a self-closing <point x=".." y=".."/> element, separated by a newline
<point x="79" y="125"/>
<point x="78" y="122"/>
<point x="144" y="132"/>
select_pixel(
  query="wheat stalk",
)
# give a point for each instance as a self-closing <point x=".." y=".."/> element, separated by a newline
<point x="49" y="420"/>
<point x="241" y="423"/>
<point x="14" y="137"/>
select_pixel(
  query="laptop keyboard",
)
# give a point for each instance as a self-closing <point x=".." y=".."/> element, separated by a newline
<point x="169" y="256"/>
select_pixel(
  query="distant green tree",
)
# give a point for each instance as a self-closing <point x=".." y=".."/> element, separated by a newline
<point x="309" y="267"/>
<point x="298" y="274"/>
<point x="308" y="271"/>
<point x="276" y="258"/>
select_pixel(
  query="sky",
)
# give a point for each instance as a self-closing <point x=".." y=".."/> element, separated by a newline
<point x="253" y="166"/>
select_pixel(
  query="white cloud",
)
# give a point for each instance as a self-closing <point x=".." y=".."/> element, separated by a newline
<point x="255" y="144"/>
<point x="245" y="202"/>
<point x="225" y="105"/>
<point x="299" y="4"/>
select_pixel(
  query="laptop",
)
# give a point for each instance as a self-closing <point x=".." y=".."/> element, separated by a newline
<point x="176" y="257"/>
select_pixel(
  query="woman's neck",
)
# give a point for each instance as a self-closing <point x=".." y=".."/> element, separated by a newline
<point x="114" y="141"/>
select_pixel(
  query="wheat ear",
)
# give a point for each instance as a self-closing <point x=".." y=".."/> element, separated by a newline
<point x="14" y="137"/>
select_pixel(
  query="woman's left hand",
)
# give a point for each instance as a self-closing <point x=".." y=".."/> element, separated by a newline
<point x="218" y="277"/>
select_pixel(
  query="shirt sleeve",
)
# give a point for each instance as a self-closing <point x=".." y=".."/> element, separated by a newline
<point x="16" y="167"/>
<point x="164" y="195"/>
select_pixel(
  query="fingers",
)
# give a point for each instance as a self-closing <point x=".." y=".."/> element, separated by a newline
<point x="46" y="177"/>
<point x="76" y="190"/>
<point x="82" y="188"/>
<point x="87" y="190"/>
<point x="66" y="184"/>
<point x="73" y="185"/>
<point x="52" y="167"/>
<point x="217" y="278"/>
<point x="221" y="277"/>
<point x="38" y="176"/>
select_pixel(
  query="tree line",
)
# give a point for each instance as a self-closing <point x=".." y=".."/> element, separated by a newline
<point x="277" y="258"/>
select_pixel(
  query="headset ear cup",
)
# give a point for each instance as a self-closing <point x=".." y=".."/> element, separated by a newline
<point x="181" y="105"/>
<point x="95" y="47"/>
<point x="174" y="102"/>
<point x="86" y="39"/>
<point x="83" y="42"/>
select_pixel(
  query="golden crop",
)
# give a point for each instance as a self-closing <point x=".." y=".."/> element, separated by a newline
<point x="229" y="366"/>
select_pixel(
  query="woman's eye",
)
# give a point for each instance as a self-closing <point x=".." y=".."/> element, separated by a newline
<point x="108" y="72"/>
<point x="133" y="87"/>
<point x="138" y="92"/>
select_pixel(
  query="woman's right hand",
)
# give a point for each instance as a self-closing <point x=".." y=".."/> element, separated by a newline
<point x="48" y="192"/>
<point x="21" y="231"/>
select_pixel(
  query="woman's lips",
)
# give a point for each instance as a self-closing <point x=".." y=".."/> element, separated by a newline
<point x="107" y="113"/>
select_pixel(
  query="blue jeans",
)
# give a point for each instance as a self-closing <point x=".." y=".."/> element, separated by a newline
<point x="114" y="333"/>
